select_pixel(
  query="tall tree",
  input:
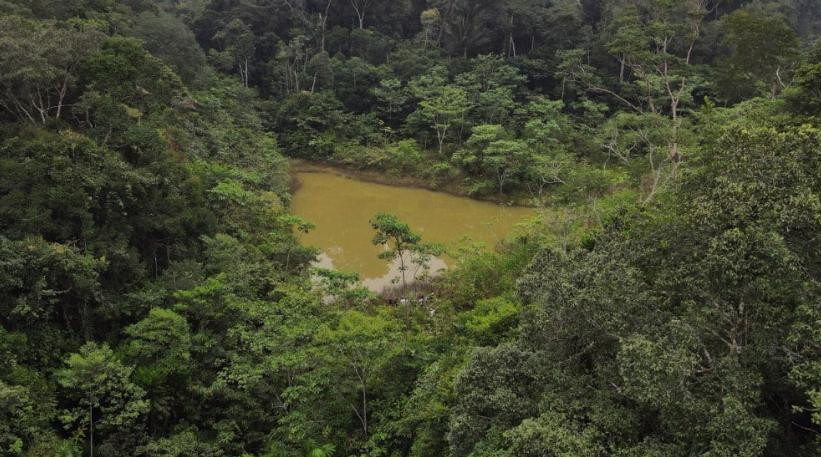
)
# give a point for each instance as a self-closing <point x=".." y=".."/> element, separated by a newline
<point x="397" y="239"/>
<point x="760" y="48"/>
<point x="361" y="345"/>
<point x="444" y="110"/>
<point x="107" y="402"/>
<point x="238" y="46"/>
<point x="39" y="65"/>
<point x="360" y="7"/>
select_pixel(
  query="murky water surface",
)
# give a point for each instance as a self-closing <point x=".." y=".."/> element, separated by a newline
<point x="341" y="208"/>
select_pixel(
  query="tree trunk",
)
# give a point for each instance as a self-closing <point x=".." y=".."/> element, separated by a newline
<point x="444" y="20"/>
<point x="61" y="96"/>
<point x="363" y="418"/>
<point x="402" y="270"/>
<point x="91" y="429"/>
<point x="360" y="12"/>
<point x="323" y="20"/>
<point x="364" y="410"/>
<point x="86" y="321"/>
<point x="440" y="136"/>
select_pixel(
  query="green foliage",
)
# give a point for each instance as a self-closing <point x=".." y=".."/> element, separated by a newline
<point x="803" y="94"/>
<point x="401" y="244"/>
<point x="159" y="345"/>
<point x="49" y="286"/>
<point x="760" y="45"/>
<point x="553" y="434"/>
<point x="39" y="63"/>
<point x="124" y="71"/>
<point x="165" y="36"/>
<point x="395" y="234"/>
<point x="492" y="320"/>
<point x="237" y="42"/>
<point x="342" y="289"/>
<point x="17" y="414"/>
<point x="155" y="300"/>
<point x="183" y="444"/>
<point x="649" y="316"/>
<point x="107" y="403"/>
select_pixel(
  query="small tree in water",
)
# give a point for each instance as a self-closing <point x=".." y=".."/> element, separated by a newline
<point x="398" y="239"/>
<point x="402" y="243"/>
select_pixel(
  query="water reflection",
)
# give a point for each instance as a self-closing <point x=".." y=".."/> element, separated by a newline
<point x="393" y="276"/>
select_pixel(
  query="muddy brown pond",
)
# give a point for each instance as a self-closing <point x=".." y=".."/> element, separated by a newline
<point x="341" y="208"/>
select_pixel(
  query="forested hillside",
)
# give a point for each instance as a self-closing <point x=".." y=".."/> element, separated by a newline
<point x="155" y="299"/>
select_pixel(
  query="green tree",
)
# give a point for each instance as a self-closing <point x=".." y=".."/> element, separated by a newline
<point x="658" y="41"/>
<point x="39" y="65"/>
<point x="107" y="402"/>
<point x="160" y="344"/>
<point x="431" y="20"/>
<point x="294" y="56"/>
<point x="497" y="154"/>
<point x="22" y="417"/>
<point x="398" y="240"/>
<point x="49" y="288"/>
<point x="443" y="107"/>
<point x="392" y="97"/>
<point x="761" y="48"/>
<point x="492" y="86"/>
<point x="507" y="159"/>
<point x="343" y="289"/>
<point x="464" y="24"/>
<point x="237" y="43"/>
<point x="159" y="347"/>
<point x="804" y="93"/>
<point x="472" y="158"/>
<point x="627" y="39"/>
<point x="168" y="38"/>
<point x="125" y="72"/>
<point x="360" y="345"/>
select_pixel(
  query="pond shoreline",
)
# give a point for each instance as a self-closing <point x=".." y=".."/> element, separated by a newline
<point x="342" y="207"/>
<point x="384" y="178"/>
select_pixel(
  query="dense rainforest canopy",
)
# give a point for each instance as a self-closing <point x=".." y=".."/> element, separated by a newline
<point x="155" y="299"/>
